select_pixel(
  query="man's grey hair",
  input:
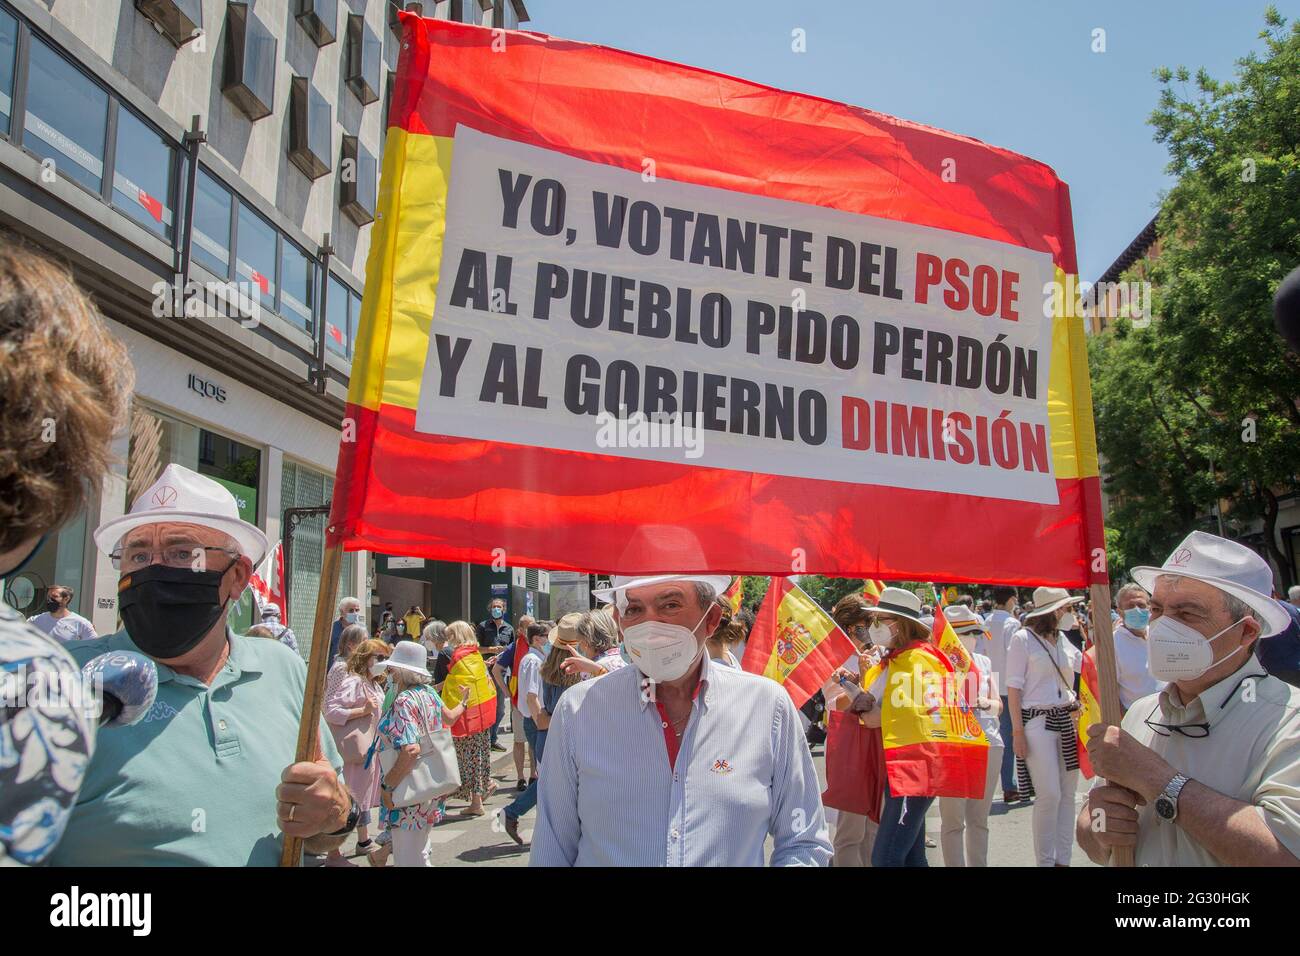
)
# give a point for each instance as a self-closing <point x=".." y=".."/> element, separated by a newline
<point x="1130" y="590"/>
<point x="705" y="592"/>
<point x="348" y="600"/>
<point x="435" y="631"/>
<point x="1237" y="609"/>
<point x="1293" y="594"/>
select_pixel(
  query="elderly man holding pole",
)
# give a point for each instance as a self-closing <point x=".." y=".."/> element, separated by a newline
<point x="208" y="777"/>
<point x="1207" y="771"/>
<point x="674" y="761"/>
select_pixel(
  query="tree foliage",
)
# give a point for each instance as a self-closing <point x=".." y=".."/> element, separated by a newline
<point x="1202" y="403"/>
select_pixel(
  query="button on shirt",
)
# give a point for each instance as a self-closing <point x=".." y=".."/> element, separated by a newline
<point x="609" y="797"/>
<point x="1252" y="754"/>
<point x="1135" y="680"/>
<point x="193" y="782"/>
<point x="1042" y="675"/>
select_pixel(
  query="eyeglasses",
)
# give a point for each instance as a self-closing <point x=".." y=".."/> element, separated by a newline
<point x="179" y="556"/>
<point x="1194" y="731"/>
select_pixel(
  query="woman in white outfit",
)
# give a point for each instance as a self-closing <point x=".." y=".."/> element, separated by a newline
<point x="1041" y="665"/>
<point x="964" y="833"/>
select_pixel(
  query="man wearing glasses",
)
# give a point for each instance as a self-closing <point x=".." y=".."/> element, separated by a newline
<point x="208" y="776"/>
<point x="1206" y="772"/>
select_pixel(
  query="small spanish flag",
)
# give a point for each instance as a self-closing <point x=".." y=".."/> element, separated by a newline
<point x="795" y="642"/>
<point x="1090" y="713"/>
<point x="872" y="591"/>
<point x="945" y="638"/>
<point x="731" y="597"/>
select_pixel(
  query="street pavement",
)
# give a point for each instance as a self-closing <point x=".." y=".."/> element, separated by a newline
<point x="460" y="841"/>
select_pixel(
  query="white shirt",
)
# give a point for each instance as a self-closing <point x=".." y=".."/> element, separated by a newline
<point x="1135" y="680"/>
<point x="1252" y="754"/>
<point x="530" y="682"/>
<point x="988" y="722"/>
<point x="1041" y="675"/>
<point x="70" y="627"/>
<point x="996" y="645"/>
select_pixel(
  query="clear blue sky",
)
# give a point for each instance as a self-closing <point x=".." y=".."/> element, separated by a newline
<point x="1021" y="74"/>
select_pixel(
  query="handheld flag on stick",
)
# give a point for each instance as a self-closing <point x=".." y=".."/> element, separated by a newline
<point x="795" y="642"/>
<point x="1090" y="713"/>
<point x="267" y="582"/>
<point x="733" y="595"/>
<point x="872" y="591"/>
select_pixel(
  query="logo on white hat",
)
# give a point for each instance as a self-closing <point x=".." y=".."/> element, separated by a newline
<point x="165" y="497"/>
<point x="1180" y="558"/>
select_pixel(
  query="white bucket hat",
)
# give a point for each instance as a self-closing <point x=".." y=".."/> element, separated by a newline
<point x="183" y="496"/>
<point x="1231" y="567"/>
<point x="406" y="656"/>
<point x="962" y="618"/>
<point x="899" y="602"/>
<point x="619" y="585"/>
<point x="1047" y="600"/>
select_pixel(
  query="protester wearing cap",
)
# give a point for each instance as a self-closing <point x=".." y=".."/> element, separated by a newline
<point x="896" y="625"/>
<point x="220" y="740"/>
<point x="416" y="711"/>
<point x="279" y="630"/>
<point x="675" y="761"/>
<point x="1207" y="771"/>
<point x="1041" y="665"/>
<point x="964" y="832"/>
<point x="542" y="640"/>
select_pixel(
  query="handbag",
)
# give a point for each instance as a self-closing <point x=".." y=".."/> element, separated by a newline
<point x="436" y="772"/>
<point x="855" y="766"/>
<point x="355" y="737"/>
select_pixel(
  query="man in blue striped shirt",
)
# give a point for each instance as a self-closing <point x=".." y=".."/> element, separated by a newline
<point x="673" y="762"/>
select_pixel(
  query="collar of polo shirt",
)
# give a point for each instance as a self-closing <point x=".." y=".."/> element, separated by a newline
<point x="239" y="660"/>
<point x="1214" y="701"/>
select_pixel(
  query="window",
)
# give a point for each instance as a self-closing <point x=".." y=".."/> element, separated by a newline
<point x="319" y="18"/>
<point x="249" y="77"/>
<point x="255" y="254"/>
<point x="8" y="52"/>
<point x="304" y="487"/>
<point x="66" y="117"/>
<point x="211" y="247"/>
<point x="358" y="178"/>
<point x="311" y="128"/>
<point x="364" y="60"/>
<point x="144" y="174"/>
<point x="178" y="20"/>
<point x="297" y="286"/>
<point x="337" y="339"/>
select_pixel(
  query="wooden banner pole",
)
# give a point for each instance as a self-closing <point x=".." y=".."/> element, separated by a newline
<point x="1103" y="639"/>
<point x="317" y="667"/>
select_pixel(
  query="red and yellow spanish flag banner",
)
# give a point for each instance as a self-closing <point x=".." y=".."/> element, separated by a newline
<point x="734" y="594"/>
<point x="1090" y="712"/>
<point x="934" y="745"/>
<point x="468" y="669"/>
<point x="945" y="638"/>
<point x="795" y="642"/>
<point x="872" y="591"/>
<point x="577" y="325"/>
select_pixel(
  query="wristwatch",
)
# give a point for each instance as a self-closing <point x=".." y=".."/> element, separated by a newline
<point x="1167" y="802"/>
<point x="354" y="814"/>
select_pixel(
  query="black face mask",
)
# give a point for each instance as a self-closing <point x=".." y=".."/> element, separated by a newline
<point x="168" y="610"/>
<point x="53" y="604"/>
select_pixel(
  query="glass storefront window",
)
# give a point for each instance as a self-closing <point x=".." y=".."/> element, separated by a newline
<point x="336" y="319"/>
<point x="211" y="244"/>
<point x="66" y="117"/>
<point x="303" y="487"/>
<point x="57" y="561"/>
<point x="256" y="255"/>
<point x="297" y="286"/>
<point x="8" y="53"/>
<point x="144" y="174"/>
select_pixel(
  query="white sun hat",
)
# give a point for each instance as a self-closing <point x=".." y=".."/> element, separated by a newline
<point x="1047" y="600"/>
<point x="406" y="656"/>
<point x="899" y="602"/>
<point x="620" y="584"/>
<point x="186" y="497"/>
<point x="1231" y="567"/>
<point x="962" y="618"/>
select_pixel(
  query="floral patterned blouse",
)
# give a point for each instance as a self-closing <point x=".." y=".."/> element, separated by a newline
<point x="416" y="711"/>
<point x="45" y="744"/>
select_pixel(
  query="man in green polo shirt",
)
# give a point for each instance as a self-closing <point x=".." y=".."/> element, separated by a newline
<point x="208" y="776"/>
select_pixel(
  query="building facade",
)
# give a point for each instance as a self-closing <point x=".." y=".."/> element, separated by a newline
<point x="209" y="171"/>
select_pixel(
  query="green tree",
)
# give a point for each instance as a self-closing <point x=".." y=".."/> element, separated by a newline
<point x="1202" y="403"/>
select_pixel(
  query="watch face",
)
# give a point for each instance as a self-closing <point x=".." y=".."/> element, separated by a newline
<point x="1165" y="807"/>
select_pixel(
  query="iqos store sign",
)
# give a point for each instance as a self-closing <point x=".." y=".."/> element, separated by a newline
<point x="206" y="389"/>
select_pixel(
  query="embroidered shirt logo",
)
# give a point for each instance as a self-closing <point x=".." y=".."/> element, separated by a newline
<point x="161" y="710"/>
<point x="721" y="766"/>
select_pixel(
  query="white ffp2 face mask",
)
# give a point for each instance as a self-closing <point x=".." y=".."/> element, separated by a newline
<point x="662" y="651"/>
<point x="1068" y="621"/>
<point x="881" y="635"/>
<point x="1176" y="651"/>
